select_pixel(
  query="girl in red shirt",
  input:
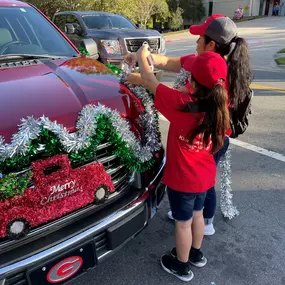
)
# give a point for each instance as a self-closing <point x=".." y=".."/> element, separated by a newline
<point x="198" y="123"/>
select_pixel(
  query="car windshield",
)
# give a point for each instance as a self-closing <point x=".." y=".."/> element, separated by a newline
<point x="99" y="21"/>
<point x="23" y="30"/>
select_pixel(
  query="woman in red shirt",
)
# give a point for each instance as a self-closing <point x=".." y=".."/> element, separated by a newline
<point x="197" y="128"/>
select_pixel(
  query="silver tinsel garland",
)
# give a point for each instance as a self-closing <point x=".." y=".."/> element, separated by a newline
<point x="226" y="201"/>
<point x="30" y="129"/>
<point x="181" y="78"/>
<point x="149" y="118"/>
<point x="226" y="198"/>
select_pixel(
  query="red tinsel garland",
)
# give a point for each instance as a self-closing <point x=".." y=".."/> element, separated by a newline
<point x="55" y="194"/>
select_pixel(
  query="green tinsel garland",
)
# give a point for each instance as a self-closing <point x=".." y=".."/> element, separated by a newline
<point x="53" y="146"/>
<point x="12" y="184"/>
<point x="83" y="51"/>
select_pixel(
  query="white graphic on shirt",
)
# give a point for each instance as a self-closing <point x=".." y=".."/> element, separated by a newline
<point x="197" y="144"/>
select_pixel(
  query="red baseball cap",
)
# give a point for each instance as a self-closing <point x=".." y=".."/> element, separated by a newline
<point x="199" y="30"/>
<point x="218" y="27"/>
<point x="209" y="69"/>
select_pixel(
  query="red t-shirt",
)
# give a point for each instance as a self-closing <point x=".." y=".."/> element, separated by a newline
<point x="185" y="62"/>
<point x="189" y="168"/>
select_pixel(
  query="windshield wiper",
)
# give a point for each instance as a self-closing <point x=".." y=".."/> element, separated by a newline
<point x="29" y="56"/>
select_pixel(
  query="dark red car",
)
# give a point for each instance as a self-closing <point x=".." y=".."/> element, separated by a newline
<point x="43" y="74"/>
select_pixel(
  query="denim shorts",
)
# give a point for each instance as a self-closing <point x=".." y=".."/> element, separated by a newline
<point x="184" y="204"/>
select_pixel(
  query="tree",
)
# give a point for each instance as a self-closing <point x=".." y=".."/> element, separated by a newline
<point x="49" y="7"/>
<point x="194" y="10"/>
<point x="176" y="19"/>
<point x="126" y="8"/>
<point x="147" y="8"/>
<point x="135" y="10"/>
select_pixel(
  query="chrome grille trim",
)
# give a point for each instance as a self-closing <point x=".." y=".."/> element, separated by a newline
<point x="107" y="159"/>
<point x="104" y="145"/>
<point x="112" y="171"/>
<point x="133" y="44"/>
<point x="119" y="180"/>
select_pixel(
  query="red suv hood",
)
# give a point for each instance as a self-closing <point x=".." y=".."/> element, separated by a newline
<point x="59" y="90"/>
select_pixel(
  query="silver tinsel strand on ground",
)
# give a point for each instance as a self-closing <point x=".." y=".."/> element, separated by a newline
<point x="30" y="129"/>
<point x="226" y="198"/>
<point x="226" y="201"/>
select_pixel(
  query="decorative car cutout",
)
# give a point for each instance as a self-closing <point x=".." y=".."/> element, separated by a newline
<point x="53" y="194"/>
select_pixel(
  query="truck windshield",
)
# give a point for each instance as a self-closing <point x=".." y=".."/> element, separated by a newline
<point x="99" y="21"/>
<point x="23" y="30"/>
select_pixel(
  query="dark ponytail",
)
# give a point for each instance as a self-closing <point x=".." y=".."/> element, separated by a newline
<point x="216" y="120"/>
<point x="239" y="72"/>
<point x="239" y="69"/>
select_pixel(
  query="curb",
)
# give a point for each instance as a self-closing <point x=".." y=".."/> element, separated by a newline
<point x="279" y="55"/>
<point x="174" y="33"/>
<point x="263" y="87"/>
<point x="174" y="40"/>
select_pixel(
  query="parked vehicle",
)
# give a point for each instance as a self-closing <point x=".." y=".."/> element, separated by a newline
<point x="43" y="73"/>
<point x="238" y="15"/>
<point x="114" y="34"/>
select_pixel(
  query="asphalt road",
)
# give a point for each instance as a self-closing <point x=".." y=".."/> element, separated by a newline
<point x="250" y="248"/>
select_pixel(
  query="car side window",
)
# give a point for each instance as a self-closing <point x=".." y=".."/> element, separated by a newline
<point x="71" y="19"/>
<point x="60" y="21"/>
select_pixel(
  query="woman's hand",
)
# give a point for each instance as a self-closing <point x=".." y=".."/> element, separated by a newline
<point x="149" y="79"/>
<point x="131" y="59"/>
<point x="135" y="79"/>
<point x="143" y="52"/>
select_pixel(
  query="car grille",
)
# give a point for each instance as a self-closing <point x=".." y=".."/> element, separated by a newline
<point x="120" y="174"/>
<point x="135" y="43"/>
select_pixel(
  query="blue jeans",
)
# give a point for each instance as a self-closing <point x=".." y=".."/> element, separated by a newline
<point x="184" y="204"/>
<point x="211" y="200"/>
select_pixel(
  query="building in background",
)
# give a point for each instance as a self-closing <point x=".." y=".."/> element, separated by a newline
<point x="250" y="7"/>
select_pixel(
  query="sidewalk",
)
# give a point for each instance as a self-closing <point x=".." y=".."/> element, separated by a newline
<point x="261" y="28"/>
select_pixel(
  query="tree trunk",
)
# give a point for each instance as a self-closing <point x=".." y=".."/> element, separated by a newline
<point x="154" y="21"/>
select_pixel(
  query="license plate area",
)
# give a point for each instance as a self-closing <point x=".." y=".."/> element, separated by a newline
<point x="65" y="267"/>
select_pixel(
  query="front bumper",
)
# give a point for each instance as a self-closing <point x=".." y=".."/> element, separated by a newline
<point x="115" y="230"/>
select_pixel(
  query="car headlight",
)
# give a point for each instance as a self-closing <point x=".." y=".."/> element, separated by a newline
<point x="162" y="45"/>
<point x="111" y="46"/>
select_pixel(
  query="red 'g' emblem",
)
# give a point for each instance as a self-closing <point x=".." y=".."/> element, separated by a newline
<point x="64" y="269"/>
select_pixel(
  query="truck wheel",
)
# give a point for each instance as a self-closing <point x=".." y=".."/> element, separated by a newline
<point x="18" y="228"/>
<point x="101" y="194"/>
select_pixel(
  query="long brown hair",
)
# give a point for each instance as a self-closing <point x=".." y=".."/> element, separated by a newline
<point x="216" y="120"/>
<point x="239" y="68"/>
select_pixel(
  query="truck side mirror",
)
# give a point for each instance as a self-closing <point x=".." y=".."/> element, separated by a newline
<point x="69" y="29"/>
<point x="91" y="47"/>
